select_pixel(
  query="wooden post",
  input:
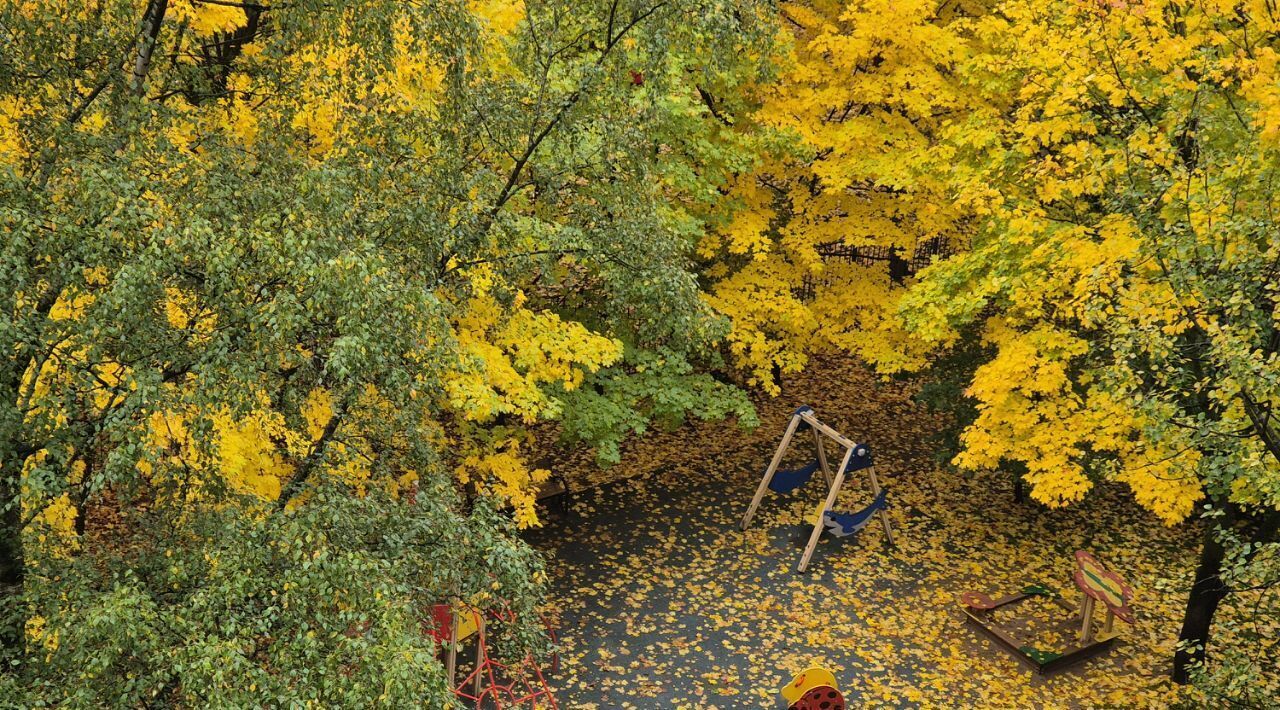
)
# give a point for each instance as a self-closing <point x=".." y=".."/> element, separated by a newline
<point x="831" y="500"/>
<point x="480" y="642"/>
<point x="1086" y="619"/>
<point x="773" y="466"/>
<point x="451" y="660"/>
<point x="884" y="514"/>
<point x="812" y="420"/>
<point x="1110" y="622"/>
<point x="822" y="457"/>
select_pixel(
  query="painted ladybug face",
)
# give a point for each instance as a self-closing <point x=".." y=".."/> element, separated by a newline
<point x="820" y="698"/>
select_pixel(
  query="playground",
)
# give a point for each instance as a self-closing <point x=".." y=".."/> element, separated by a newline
<point x="665" y="601"/>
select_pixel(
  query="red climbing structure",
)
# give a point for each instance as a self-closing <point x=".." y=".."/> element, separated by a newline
<point x="491" y="685"/>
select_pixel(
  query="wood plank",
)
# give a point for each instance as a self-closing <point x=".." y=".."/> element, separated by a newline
<point x="1001" y="637"/>
<point x="550" y="488"/>
<point x="819" y="525"/>
<point x="822" y="456"/>
<point x="883" y="514"/>
<point x="812" y="420"/>
<point x="773" y="467"/>
<point x="1071" y="656"/>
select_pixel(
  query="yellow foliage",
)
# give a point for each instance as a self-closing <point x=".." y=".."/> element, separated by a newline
<point x="53" y="520"/>
<point x="238" y="118"/>
<point x="182" y="312"/>
<point x="863" y="83"/>
<point x="255" y="453"/>
<point x="415" y="78"/>
<point x="500" y="16"/>
<point x="12" y="110"/>
<point x="208" y="18"/>
<point x="37" y="633"/>
<point x="499" y="20"/>
<point x="508" y="356"/>
<point x="502" y="472"/>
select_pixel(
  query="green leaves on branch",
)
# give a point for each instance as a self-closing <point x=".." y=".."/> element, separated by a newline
<point x="650" y="388"/>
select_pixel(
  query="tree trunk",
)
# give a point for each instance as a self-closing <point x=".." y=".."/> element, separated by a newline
<point x="1207" y="591"/>
<point x="151" y="21"/>
<point x="12" y="563"/>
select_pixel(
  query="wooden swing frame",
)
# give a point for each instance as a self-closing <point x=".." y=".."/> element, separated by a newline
<point x="835" y="481"/>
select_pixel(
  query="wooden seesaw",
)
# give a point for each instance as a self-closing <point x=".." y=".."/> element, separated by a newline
<point x="857" y="457"/>
<point x="1096" y="583"/>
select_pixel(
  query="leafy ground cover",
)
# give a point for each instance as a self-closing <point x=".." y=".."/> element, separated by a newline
<point x="664" y="603"/>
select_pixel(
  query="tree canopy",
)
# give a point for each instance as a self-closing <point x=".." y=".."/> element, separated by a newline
<point x="258" y="255"/>
<point x="287" y="286"/>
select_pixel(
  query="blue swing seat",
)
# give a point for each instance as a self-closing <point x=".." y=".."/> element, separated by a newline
<point x="789" y="480"/>
<point x="845" y="524"/>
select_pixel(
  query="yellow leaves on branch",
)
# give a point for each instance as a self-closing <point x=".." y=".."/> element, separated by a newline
<point x="37" y="632"/>
<point x="329" y="89"/>
<point x="237" y="119"/>
<point x="503" y="472"/>
<point x="747" y="232"/>
<point x="207" y="18"/>
<point x="499" y="16"/>
<point x="1033" y="410"/>
<point x="1163" y="478"/>
<point x="1029" y="413"/>
<point x="851" y="309"/>
<point x="770" y="325"/>
<point x="12" y="110"/>
<point x="862" y="88"/>
<point x="507" y="356"/>
<point x="335" y="81"/>
<point x="1262" y="87"/>
<point x="180" y="309"/>
<point x="416" y="77"/>
<point x="245" y="455"/>
<point x="52" y="520"/>
<point x="254" y="453"/>
<point x="499" y="20"/>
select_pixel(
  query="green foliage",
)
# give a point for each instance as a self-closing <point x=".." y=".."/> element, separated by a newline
<point x="649" y="387"/>
<point x="321" y="605"/>
<point x="1243" y="673"/>
<point x="942" y="390"/>
<point x="240" y="245"/>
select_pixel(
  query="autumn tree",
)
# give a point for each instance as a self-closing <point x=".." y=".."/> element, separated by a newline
<point x="280" y="279"/>
<point x="1123" y="268"/>
<point x="844" y="134"/>
<point x="1101" y="170"/>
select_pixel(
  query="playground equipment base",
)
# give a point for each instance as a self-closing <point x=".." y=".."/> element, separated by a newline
<point x="1043" y="663"/>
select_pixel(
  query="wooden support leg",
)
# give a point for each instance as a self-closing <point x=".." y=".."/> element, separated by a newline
<point x="822" y="456"/>
<point x="831" y="500"/>
<point x="480" y="642"/>
<point x="884" y="517"/>
<point x="1086" y="619"/>
<point x="451" y="660"/>
<point x="1110" y="622"/>
<point x="768" y="473"/>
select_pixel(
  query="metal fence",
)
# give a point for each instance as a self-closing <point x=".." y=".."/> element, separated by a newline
<point x="900" y="267"/>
